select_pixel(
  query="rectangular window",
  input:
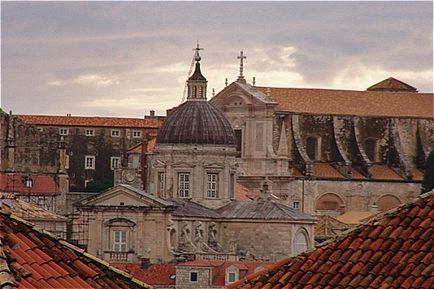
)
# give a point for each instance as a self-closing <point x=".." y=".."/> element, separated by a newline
<point x="238" y="140"/>
<point x="115" y="162"/>
<point x="183" y="185"/>
<point x="63" y="131"/>
<point x="120" y="241"/>
<point x="231" y="277"/>
<point x="296" y="205"/>
<point x="89" y="132"/>
<point x="212" y="181"/>
<point x="193" y="277"/>
<point x="137" y="134"/>
<point x="89" y="162"/>
<point x="161" y="182"/>
<point x="115" y="133"/>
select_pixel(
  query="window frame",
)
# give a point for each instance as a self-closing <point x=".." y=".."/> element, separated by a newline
<point x="63" y="131"/>
<point x="212" y="193"/>
<point x="115" y="133"/>
<point x="181" y="185"/>
<point x="88" y="130"/>
<point x="296" y="205"/>
<point x="191" y="275"/>
<point x="112" y="159"/>
<point x="135" y="132"/>
<point x="92" y="166"/>
<point x="161" y="183"/>
<point x="122" y="243"/>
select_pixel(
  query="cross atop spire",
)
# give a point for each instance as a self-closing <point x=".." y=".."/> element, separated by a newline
<point x="241" y="57"/>
<point x="196" y="55"/>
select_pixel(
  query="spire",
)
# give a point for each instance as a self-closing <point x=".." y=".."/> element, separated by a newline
<point x="241" y="76"/>
<point x="197" y="82"/>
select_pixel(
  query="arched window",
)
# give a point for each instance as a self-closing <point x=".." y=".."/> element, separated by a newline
<point x="301" y="242"/>
<point x="312" y="148"/>
<point x="330" y="202"/>
<point x="387" y="202"/>
<point x="371" y="149"/>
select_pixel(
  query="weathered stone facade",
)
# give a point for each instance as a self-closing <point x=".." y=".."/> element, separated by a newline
<point x="300" y="146"/>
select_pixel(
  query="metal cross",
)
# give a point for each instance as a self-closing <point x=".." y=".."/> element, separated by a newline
<point x="241" y="58"/>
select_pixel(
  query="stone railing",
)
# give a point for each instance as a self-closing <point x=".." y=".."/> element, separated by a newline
<point x="116" y="256"/>
<point x="216" y="257"/>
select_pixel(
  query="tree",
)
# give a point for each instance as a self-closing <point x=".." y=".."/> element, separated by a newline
<point x="428" y="178"/>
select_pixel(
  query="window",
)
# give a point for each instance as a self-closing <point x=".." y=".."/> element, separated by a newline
<point x="211" y="191"/>
<point x="67" y="162"/>
<point x="312" y="148"/>
<point x="89" y="132"/>
<point x="183" y="185"/>
<point x="300" y="242"/>
<point x="193" y="276"/>
<point x="137" y="134"/>
<point x="89" y="162"/>
<point x="371" y="149"/>
<point x="115" y="162"/>
<point x="120" y="241"/>
<point x="115" y="133"/>
<point x="63" y="131"/>
<point x="161" y="181"/>
<point x="231" y="277"/>
<point x="238" y="139"/>
<point x="296" y="205"/>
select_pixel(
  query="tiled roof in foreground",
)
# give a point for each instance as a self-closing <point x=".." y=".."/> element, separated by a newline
<point x="32" y="258"/>
<point x="90" y="121"/>
<point x="393" y="250"/>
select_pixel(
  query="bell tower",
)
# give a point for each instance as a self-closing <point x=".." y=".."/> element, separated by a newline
<point x="197" y="82"/>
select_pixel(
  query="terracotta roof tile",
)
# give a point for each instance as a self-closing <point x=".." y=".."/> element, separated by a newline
<point x="90" y="121"/>
<point x="325" y="170"/>
<point x="42" y="184"/>
<point x="352" y="102"/>
<point x="383" y="172"/>
<point x="242" y="193"/>
<point x="37" y="259"/>
<point x="402" y="259"/>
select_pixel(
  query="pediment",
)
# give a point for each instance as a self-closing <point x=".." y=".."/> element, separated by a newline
<point x="124" y="195"/>
<point x="239" y="95"/>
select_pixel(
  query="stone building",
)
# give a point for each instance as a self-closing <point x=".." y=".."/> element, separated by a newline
<point x="331" y="151"/>
<point x="189" y="203"/>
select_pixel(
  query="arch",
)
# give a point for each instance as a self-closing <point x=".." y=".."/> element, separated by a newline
<point x="120" y="222"/>
<point x="301" y="241"/>
<point x="330" y="202"/>
<point x="387" y="202"/>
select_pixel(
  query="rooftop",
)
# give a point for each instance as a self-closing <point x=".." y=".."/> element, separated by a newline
<point x="33" y="258"/>
<point x="394" y="250"/>
<point x="16" y="183"/>
<point x="90" y="121"/>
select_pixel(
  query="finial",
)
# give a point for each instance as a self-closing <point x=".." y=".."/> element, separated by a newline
<point x="196" y="55"/>
<point x="254" y="81"/>
<point x="241" y="58"/>
<point x="226" y="81"/>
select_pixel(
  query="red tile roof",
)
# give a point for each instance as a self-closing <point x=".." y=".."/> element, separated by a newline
<point x="90" y="121"/>
<point x="352" y="102"/>
<point x="325" y="170"/>
<point x="31" y="258"/>
<point x="137" y="149"/>
<point x="157" y="274"/>
<point x="42" y="184"/>
<point x="392" y="84"/>
<point x="383" y="172"/>
<point x="393" y="250"/>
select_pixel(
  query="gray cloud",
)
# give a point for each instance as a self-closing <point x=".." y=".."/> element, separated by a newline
<point x="87" y="53"/>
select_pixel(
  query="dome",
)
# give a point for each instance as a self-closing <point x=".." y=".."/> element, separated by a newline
<point x="196" y="122"/>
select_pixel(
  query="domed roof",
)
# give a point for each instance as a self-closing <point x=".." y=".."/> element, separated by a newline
<point x="196" y="122"/>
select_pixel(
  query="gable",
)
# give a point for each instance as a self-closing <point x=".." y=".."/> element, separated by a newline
<point x="239" y="95"/>
<point x="124" y="195"/>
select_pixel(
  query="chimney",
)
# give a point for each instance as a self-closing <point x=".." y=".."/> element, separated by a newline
<point x="145" y="263"/>
<point x="152" y="113"/>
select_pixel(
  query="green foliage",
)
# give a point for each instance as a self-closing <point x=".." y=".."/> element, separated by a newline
<point x="428" y="178"/>
<point x="98" y="185"/>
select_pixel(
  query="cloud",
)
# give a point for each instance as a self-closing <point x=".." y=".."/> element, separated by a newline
<point x="95" y="80"/>
<point x="56" y="83"/>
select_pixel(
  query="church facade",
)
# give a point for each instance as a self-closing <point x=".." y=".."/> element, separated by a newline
<point x="329" y="151"/>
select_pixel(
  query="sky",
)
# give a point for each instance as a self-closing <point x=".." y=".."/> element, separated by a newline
<point x="127" y="58"/>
